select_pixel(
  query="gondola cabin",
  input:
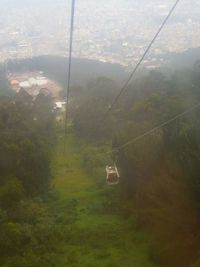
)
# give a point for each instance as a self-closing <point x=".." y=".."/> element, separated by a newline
<point x="112" y="175"/>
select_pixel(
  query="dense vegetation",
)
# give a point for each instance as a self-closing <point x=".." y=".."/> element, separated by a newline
<point x="77" y="223"/>
<point x="159" y="192"/>
<point x="160" y="173"/>
<point x="28" y="236"/>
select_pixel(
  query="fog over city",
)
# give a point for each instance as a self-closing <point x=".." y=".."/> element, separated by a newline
<point x="100" y="133"/>
<point x="107" y="30"/>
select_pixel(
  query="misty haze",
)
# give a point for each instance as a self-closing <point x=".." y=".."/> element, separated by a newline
<point x="99" y="133"/>
<point x="33" y="28"/>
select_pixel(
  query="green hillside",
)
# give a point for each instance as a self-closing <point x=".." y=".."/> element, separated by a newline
<point x="99" y="234"/>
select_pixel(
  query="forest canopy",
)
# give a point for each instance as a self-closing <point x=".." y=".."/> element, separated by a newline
<point x="26" y="138"/>
<point x="160" y="172"/>
<point x="159" y="186"/>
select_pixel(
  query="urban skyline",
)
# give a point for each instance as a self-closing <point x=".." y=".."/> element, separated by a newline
<point x="110" y="31"/>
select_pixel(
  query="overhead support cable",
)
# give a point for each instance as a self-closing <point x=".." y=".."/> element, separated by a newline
<point x="72" y="18"/>
<point x="70" y="49"/>
<point x="135" y="139"/>
<point x="124" y="87"/>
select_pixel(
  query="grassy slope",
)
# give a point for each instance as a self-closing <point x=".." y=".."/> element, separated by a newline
<point x="99" y="236"/>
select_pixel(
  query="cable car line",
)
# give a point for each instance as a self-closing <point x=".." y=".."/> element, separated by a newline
<point x="135" y="139"/>
<point x="69" y="64"/>
<point x="70" y="48"/>
<point x="141" y="60"/>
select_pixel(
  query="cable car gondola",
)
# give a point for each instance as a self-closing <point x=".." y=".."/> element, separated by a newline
<point x="112" y="175"/>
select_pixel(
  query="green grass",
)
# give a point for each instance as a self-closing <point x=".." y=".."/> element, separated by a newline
<point x="95" y="233"/>
<point x="69" y="177"/>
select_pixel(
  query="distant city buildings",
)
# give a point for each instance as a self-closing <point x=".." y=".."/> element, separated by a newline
<point x="110" y="31"/>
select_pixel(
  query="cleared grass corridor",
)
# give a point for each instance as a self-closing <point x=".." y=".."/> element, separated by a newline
<point x="97" y="235"/>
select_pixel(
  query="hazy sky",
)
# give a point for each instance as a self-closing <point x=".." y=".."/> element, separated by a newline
<point x="107" y="29"/>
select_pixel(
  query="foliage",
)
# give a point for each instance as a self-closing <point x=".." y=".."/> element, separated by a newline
<point x="28" y="236"/>
<point x="89" y="214"/>
<point x="159" y="172"/>
<point x="159" y="189"/>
